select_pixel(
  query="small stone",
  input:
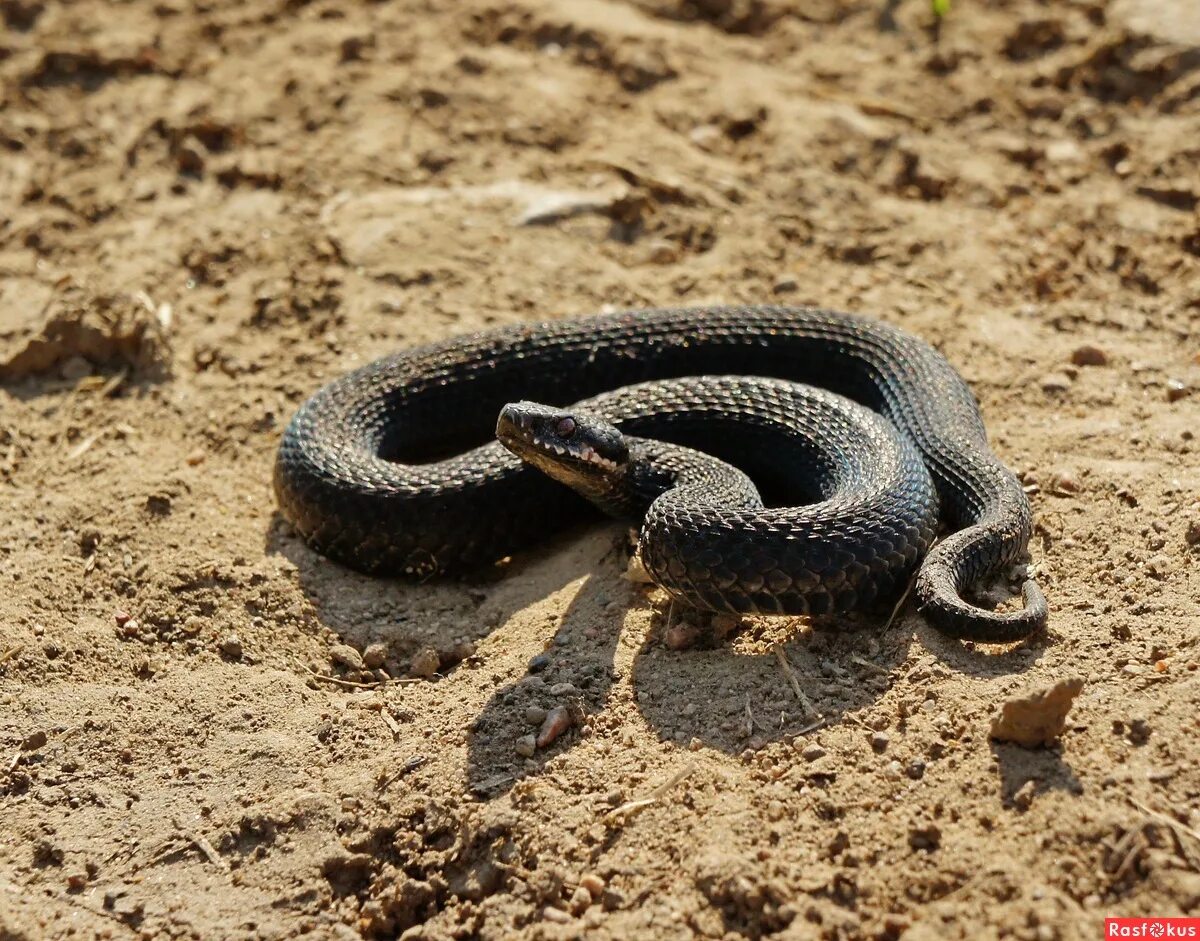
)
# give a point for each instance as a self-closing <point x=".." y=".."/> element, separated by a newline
<point x="34" y="741"/>
<point x="195" y="458"/>
<point x="660" y="252"/>
<point x="231" y="646"/>
<point x="526" y="745"/>
<point x="539" y="663"/>
<point x="1177" y="389"/>
<point x="425" y="662"/>
<point x="557" y="721"/>
<point x="76" y="881"/>
<point x="1065" y="481"/>
<point x="1037" y="718"/>
<point x="1023" y="797"/>
<point x="131" y="627"/>
<point x="706" y="136"/>
<point x="879" y="742"/>
<point x="375" y="655"/>
<point x="192" y="624"/>
<point x="916" y="770"/>
<point x="1055" y="382"/>
<point x="581" y="898"/>
<point x="563" y="689"/>
<point x="681" y="636"/>
<point x="556" y="915"/>
<point x="121" y="617"/>
<point x="1192" y="534"/>
<point x="812" y="752"/>
<point x="535" y="715"/>
<point x="346" y="656"/>
<point x="1089" y="355"/>
<point x="785" y="285"/>
<point x="75" y="368"/>
<point x="593" y="883"/>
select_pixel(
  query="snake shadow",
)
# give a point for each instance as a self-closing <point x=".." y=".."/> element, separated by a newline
<point x="408" y="616"/>
<point x="749" y="690"/>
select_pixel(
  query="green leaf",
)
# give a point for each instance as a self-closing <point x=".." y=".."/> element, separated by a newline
<point x="940" y="7"/>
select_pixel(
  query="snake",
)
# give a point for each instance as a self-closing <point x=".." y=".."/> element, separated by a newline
<point x="777" y="460"/>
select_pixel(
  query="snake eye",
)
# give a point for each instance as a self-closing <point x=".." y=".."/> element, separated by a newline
<point x="565" y="427"/>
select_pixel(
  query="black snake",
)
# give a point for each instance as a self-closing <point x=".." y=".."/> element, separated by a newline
<point x="387" y="470"/>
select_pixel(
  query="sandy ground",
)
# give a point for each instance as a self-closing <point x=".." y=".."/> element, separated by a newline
<point x="207" y="210"/>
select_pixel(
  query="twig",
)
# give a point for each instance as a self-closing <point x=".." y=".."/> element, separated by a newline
<point x="79" y="449"/>
<point x="873" y="667"/>
<point x="351" y="684"/>
<point x="390" y="722"/>
<point x="11" y="652"/>
<point x="900" y="604"/>
<point x="1177" y="829"/>
<point x="202" y="844"/>
<point x="811" y="727"/>
<point x="1164" y="818"/>
<point x="781" y="656"/>
<point x="620" y="813"/>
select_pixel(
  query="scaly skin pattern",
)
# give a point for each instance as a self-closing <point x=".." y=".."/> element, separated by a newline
<point x="363" y="473"/>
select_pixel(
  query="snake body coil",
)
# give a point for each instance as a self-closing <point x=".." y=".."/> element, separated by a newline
<point x="387" y="470"/>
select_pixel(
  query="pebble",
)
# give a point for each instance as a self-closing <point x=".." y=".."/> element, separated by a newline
<point x="581" y="898"/>
<point x="539" y="663"/>
<point x="1089" y="355"/>
<point x="535" y="715"/>
<point x="813" y="752"/>
<point x="195" y="458"/>
<point x="563" y="689"/>
<point x="1056" y="382"/>
<point x="593" y="883"/>
<point x="557" y="721"/>
<point x="916" y="770"/>
<point x="346" y="656"/>
<point x="425" y="662"/>
<point x="660" y="252"/>
<point x="375" y="655"/>
<point x="526" y="746"/>
<point x="1192" y="535"/>
<point x="879" y="742"/>
<point x="231" y="646"/>
<point x="121" y="617"/>
<point x="1065" y="481"/>
<point x="705" y="136"/>
<point x="1023" y="797"/>
<point x="192" y="624"/>
<point x="785" y="285"/>
<point x="681" y="636"/>
<point x="556" y="915"/>
<point x="1177" y="389"/>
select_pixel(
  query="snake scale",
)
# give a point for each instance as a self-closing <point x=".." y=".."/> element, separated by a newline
<point x="834" y="502"/>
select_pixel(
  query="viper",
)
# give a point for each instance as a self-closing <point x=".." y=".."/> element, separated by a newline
<point x="778" y="460"/>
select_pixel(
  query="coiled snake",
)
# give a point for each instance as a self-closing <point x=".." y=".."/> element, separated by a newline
<point x="387" y="470"/>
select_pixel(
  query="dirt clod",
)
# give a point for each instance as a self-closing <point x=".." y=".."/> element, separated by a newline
<point x="1037" y="718"/>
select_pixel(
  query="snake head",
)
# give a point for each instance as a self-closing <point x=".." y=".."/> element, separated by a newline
<point x="577" y="449"/>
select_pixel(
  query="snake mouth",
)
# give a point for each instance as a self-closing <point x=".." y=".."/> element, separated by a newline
<point x="556" y="440"/>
